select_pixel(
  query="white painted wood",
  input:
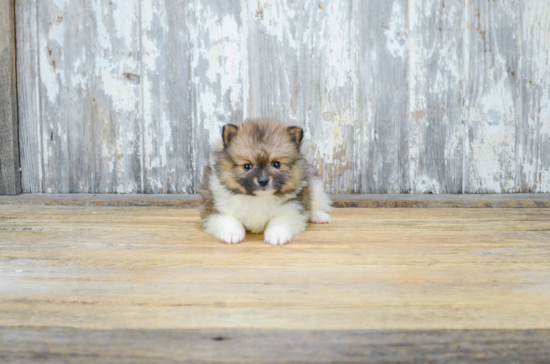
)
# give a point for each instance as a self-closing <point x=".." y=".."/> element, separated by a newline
<point x="382" y="95"/>
<point x="327" y="78"/>
<point x="88" y="117"/>
<point x="61" y="48"/>
<point x="534" y="125"/>
<point x="492" y="96"/>
<point x="167" y="103"/>
<point x="113" y="61"/>
<point x="434" y="128"/>
<point x="422" y="96"/>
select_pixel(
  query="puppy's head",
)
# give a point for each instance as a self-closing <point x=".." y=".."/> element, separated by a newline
<point x="261" y="157"/>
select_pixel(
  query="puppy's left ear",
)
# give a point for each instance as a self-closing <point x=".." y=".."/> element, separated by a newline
<point x="229" y="131"/>
<point x="296" y="134"/>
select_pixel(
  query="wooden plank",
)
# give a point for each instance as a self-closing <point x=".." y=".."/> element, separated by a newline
<point x="28" y="83"/>
<point x="89" y="96"/>
<point x="123" y="283"/>
<point x="167" y="98"/>
<point x="534" y="126"/>
<point x="114" y="123"/>
<point x="10" y="177"/>
<point x="434" y="128"/>
<point x="492" y="96"/>
<point x="62" y="44"/>
<point x="326" y="82"/>
<point x="472" y="261"/>
<point x="59" y="344"/>
<point x="273" y="60"/>
<point x="539" y="200"/>
<point x="382" y="96"/>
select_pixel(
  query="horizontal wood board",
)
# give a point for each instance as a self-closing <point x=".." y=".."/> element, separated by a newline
<point x="130" y="284"/>
<point x="520" y="200"/>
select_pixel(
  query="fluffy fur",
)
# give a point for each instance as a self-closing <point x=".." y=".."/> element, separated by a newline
<point x="259" y="181"/>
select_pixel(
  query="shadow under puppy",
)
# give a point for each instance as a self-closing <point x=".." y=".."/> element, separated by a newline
<point x="258" y="180"/>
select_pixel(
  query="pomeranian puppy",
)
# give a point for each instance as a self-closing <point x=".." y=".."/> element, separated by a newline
<point x="258" y="180"/>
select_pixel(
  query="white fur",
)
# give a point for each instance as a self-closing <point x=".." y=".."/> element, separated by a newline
<point x="320" y="200"/>
<point x="319" y="217"/>
<point x="225" y="228"/>
<point x="287" y="221"/>
<point x="279" y="217"/>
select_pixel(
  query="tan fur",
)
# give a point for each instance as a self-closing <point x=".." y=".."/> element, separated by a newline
<point x="207" y="207"/>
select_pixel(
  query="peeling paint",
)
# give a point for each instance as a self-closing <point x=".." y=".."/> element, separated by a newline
<point x="396" y="32"/>
<point x="394" y="96"/>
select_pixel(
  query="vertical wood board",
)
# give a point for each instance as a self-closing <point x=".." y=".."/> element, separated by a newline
<point x="167" y="109"/>
<point x="28" y="76"/>
<point x="10" y="183"/>
<point x="434" y="128"/>
<point x="534" y="125"/>
<point x="382" y="94"/>
<point x="492" y="96"/>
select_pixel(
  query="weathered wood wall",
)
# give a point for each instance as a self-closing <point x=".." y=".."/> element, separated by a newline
<point x="10" y="177"/>
<point x="396" y="96"/>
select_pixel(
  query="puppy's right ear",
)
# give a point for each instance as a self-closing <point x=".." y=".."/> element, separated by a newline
<point x="229" y="131"/>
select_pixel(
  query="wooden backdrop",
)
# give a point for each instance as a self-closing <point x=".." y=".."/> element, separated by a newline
<point x="396" y="96"/>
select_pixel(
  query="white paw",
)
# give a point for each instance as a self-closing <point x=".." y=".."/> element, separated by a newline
<point x="231" y="237"/>
<point x="319" y="217"/>
<point x="277" y="236"/>
<point x="231" y="234"/>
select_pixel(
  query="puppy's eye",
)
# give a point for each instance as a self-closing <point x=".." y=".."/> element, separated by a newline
<point x="276" y="164"/>
<point x="248" y="167"/>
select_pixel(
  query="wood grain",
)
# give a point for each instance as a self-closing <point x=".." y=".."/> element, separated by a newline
<point x="28" y="76"/>
<point x="167" y="97"/>
<point x="492" y="96"/>
<point x="434" y="282"/>
<point x="10" y="177"/>
<point x="114" y="100"/>
<point x="395" y="96"/>
<point x="382" y="95"/>
<point x="89" y="92"/>
<point x="529" y="200"/>
<point x="52" y="345"/>
<point x="534" y="126"/>
<point x="434" y="128"/>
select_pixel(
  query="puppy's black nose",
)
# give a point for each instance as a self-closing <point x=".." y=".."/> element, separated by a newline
<point x="263" y="181"/>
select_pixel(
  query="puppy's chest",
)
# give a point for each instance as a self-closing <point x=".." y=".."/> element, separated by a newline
<point x="254" y="212"/>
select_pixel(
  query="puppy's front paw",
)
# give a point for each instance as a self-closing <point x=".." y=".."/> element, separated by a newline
<point x="226" y="228"/>
<point x="231" y="237"/>
<point x="319" y="217"/>
<point x="277" y="235"/>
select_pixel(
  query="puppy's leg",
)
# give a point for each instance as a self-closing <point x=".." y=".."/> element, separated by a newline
<point x="320" y="203"/>
<point x="226" y="228"/>
<point x="288" y="221"/>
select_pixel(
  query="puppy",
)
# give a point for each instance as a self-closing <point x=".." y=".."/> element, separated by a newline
<point x="258" y="180"/>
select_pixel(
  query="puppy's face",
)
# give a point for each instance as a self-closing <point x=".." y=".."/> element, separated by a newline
<point x="261" y="157"/>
